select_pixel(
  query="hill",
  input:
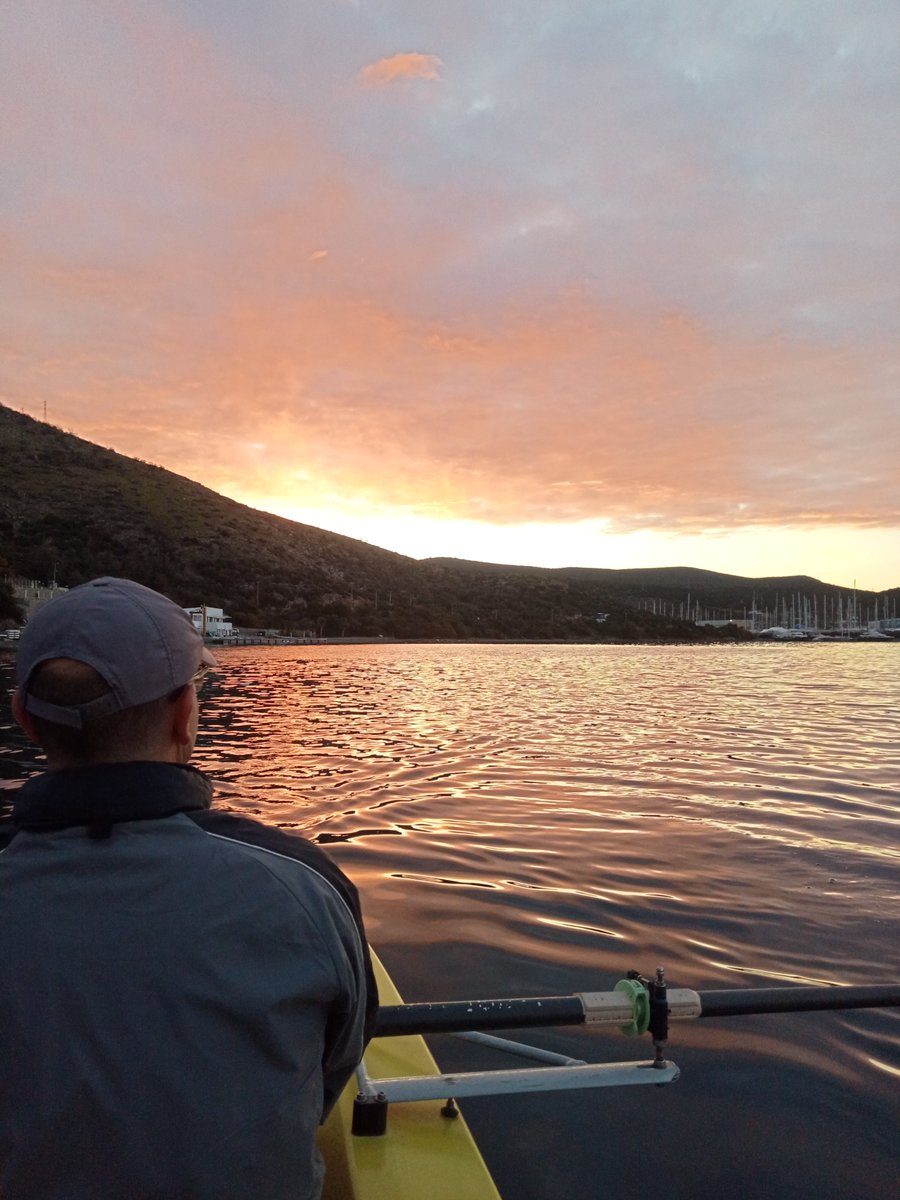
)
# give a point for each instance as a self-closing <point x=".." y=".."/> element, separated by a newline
<point x="637" y="578"/>
<point x="72" y="510"/>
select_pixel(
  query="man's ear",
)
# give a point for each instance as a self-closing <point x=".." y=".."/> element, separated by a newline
<point x="183" y="725"/>
<point x="23" y="717"/>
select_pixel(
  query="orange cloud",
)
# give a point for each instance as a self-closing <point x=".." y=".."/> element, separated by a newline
<point x="210" y="282"/>
<point x="401" y="66"/>
<point x="583" y="412"/>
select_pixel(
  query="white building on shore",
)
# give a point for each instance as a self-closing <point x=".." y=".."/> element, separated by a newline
<point x="32" y="594"/>
<point x="211" y="622"/>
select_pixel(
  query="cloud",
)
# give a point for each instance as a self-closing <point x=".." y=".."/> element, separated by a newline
<point x="580" y="412"/>
<point x="655" y="291"/>
<point x="401" y="66"/>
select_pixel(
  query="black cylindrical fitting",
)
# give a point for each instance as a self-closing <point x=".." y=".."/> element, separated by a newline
<point x="369" y="1115"/>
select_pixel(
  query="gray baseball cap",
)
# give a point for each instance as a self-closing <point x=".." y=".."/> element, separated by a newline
<point x="141" y="643"/>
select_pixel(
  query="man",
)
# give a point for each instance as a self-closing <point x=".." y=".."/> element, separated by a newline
<point x="183" y="992"/>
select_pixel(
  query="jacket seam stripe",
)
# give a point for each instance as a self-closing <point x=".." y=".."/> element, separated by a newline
<point x="300" y="863"/>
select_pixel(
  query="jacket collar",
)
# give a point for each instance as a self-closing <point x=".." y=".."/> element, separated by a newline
<point x="100" y="796"/>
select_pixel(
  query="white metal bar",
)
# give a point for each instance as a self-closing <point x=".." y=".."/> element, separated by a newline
<point x="522" y="1049"/>
<point x="365" y="1085"/>
<point x="528" y="1079"/>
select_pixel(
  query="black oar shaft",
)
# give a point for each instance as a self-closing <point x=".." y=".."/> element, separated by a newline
<point x="481" y="1015"/>
<point x="748" y="1002"/>
<point x="463" y="1016"/>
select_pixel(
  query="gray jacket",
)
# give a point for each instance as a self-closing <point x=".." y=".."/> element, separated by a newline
<point x="183" y="993"/>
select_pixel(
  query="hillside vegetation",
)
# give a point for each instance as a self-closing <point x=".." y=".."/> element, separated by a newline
<point x="72" y="510"/>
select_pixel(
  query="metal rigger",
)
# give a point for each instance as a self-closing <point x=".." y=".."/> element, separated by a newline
<point x="636" y="1004"/>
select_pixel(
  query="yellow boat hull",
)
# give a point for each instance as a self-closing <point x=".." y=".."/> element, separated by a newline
<point x="422" y="1156"/>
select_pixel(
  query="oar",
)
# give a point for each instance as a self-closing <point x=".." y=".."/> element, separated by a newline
<point x="622" y="1007"/>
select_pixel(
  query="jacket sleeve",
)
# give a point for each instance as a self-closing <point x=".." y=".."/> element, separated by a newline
<point x="351" y="1020"/>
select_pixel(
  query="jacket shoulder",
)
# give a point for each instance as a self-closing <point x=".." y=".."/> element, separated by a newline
<point x="246" y="831"/>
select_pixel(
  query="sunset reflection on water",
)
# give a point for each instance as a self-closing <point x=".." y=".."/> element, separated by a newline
<point x="643" y="776"/>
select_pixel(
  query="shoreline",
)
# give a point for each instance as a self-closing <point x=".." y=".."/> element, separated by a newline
<point x="240" y="643"/>
<point x="8" y="651"/>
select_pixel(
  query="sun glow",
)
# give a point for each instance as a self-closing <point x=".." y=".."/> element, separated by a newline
<point x="868" y="559"/>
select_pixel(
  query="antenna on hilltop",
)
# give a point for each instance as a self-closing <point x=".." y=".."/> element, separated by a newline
<point x="45" y="411"/>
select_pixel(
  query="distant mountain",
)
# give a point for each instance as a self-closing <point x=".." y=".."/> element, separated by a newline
<point x="683" y="578"/>
<point x="71" y="510"/>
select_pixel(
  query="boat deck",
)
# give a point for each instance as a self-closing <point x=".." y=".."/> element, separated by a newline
<point x="422" y="1154"/>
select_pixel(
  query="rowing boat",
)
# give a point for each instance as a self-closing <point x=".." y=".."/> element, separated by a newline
<point x="421" y="1153"/>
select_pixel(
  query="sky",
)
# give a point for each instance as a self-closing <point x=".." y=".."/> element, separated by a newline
<point x="603" y="283"/>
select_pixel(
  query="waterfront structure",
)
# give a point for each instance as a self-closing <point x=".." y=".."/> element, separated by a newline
<point x="887" y="625"/>
<point x="211" y="622"/>
<point x="31" y="594"/>
<point x="716" y="623"/>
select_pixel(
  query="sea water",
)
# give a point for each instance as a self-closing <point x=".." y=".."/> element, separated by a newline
<point x="537" y="820"/>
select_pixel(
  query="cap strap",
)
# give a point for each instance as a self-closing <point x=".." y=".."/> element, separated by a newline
<point x="74" y="715"/>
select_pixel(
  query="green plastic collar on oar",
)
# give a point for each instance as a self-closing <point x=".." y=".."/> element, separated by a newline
<point x="640" y="1004"/>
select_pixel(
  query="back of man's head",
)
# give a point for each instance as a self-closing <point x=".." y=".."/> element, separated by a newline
<point x="98" y="668"/>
